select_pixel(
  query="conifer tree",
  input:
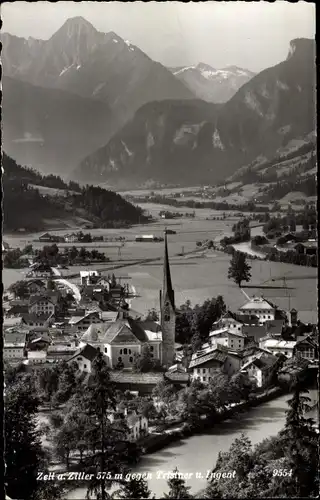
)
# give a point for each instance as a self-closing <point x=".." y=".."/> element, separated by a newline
<point x="177" y="487"/>
<point x="299" y="441"/>
<point x="134" y="489"/>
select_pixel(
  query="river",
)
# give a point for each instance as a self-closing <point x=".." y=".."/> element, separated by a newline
<point x="199" y="453"/>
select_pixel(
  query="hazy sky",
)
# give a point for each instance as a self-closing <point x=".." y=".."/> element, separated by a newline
<point x="252" y="35"/>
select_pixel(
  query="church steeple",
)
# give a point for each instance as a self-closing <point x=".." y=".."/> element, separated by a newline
<point x="167" y="290"/>
<point x="168" y="314"/>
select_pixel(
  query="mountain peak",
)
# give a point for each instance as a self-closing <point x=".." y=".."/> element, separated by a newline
<point x="299" y="47"/>
<point x="204" y="67"/>
<point x="75" y="27"/>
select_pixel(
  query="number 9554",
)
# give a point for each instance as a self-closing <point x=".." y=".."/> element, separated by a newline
<point x="282" y="472"/>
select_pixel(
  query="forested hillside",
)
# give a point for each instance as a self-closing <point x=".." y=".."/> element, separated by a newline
<point x="25" y="207"/>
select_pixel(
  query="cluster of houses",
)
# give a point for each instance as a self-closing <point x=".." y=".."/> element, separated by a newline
<point x="256" y="341"/>
<point x="67" y="238"/>
<point x="44" y="328"/>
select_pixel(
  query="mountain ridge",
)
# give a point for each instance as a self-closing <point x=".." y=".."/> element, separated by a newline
<point x="182" y="141"/>
<point x="102" y="66"/>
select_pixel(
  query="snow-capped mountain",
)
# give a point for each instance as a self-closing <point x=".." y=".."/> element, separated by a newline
<point x="86" y="62"/>
<point x="210" y="84"/>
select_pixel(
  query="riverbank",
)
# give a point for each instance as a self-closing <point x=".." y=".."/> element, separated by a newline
<point x="199" y="452"/>
<point x="156" y="442"/>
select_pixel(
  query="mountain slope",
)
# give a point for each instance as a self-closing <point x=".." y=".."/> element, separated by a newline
<point x="51" y="130"/>
<point x="79" y="59"/>
<point x="187" y="140"/>
<point x="165" y="141"/>
<point x="213" y="85"/>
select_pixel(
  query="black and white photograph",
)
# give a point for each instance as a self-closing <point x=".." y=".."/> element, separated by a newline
<point x="159" y="250"/>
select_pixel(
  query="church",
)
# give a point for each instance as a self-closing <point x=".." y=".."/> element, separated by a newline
<point x="126" y="337"/>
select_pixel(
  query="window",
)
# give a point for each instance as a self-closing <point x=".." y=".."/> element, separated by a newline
<point x="125" y="351"/>
<point x="131" y="359"/>
<point x="120" y="351"/>
<point x="129" y="351"/>
<point x="204" y="379"/>
<point x="120" y="358"/>
<point x="203" y="370"/>
<point x="85" y="366"/>
<point x="105" y="349"/>
<point x="198" y="370"/>
<point x="167" y="317"/>
<point x="79" y="359"/>
<point x="151" y="348"/>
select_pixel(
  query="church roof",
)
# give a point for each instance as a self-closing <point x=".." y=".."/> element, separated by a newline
<point x="120" y="331"/>
<point x="167" y="289"/>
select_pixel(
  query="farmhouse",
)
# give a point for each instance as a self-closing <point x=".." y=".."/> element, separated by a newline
<point x="87" y="277"/>
<point x="82" y="323"/>
<point x="307" y="348"/>
<point x="278" y="346"/>
<point x="261" y="369"/>
<point x="14" y="345"/>
<point x="206" y="361"/>
<point x="43" y="303"/>
<point x="229" y="321"/>
<point x="260" y="307"/>
<point x="228" y="338"/>
<point x="45" y="237"/>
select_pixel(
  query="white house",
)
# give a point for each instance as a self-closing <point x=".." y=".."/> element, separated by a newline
<point x="260" y="369"/>
<point x="43" y="304"/>
<point x="275" y="346"/>
<point x="232" y="339"/>
<point x="37" y="357"/>
<point x="259" y="307"/>
<point x="228" y="321"/>
<point x="84" y="358"/>
<point x="71" y="238"/>
<point x="137" y="424"/>
<point x="14" y="344"/>
<point x="85" y="276"/>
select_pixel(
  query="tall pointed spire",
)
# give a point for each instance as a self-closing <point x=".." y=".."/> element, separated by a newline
<point x="167" y="290"/>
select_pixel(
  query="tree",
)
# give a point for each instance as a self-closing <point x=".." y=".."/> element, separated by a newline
<point x="109" y="439"/>
<point x="23" y="455"/>
<point x="196" y="342"/>
<point x="134" y="489"/>
<point x="144" y="362"/>
<point x="20" y="289"/>
<point x="51" y="285"/>
<point x="239" y="269"/>
<point x="299" y="440"/>
<point x="28" y="249"/>
<point x="177" y="486"/>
